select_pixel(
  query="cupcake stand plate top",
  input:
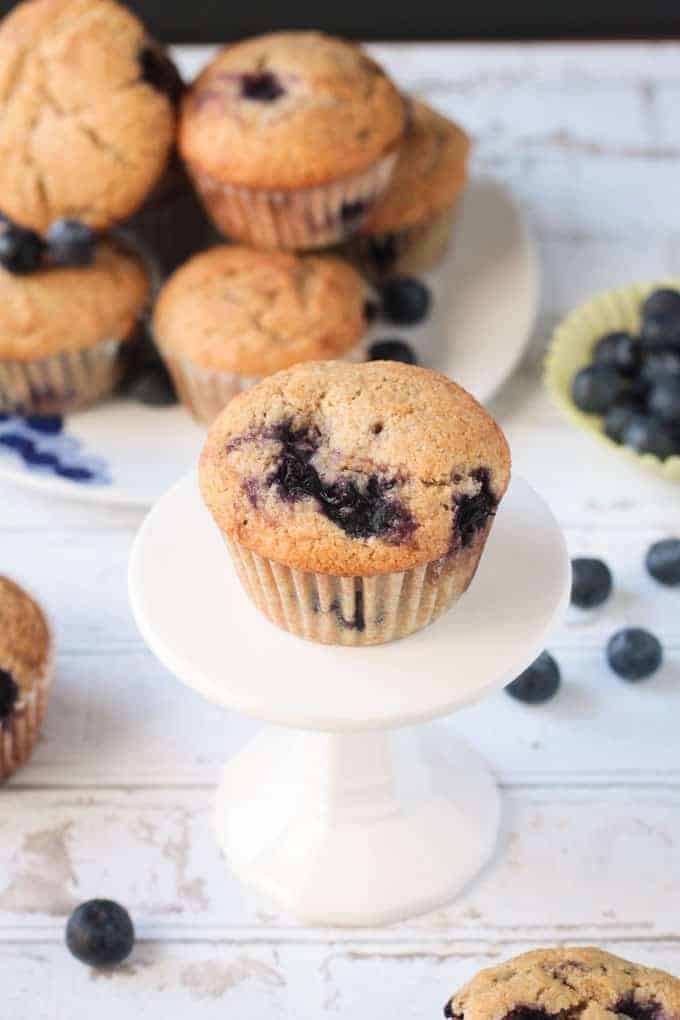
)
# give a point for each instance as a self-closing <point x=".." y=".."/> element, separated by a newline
<point x="485" y="297"/>
<point x="344" y="810"/>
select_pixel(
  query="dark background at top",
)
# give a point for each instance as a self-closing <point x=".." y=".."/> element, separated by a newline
<point x="221" y="20"/>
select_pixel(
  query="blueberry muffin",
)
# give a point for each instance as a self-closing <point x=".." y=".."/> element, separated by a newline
<point x="63" y="331"/>
<point x="87" y="113"/>
<point x="291" y="138"/>
<point x="233" y="314"/>
<point x="567" y="983"/>
<point x="355" y="500"/>
<point x="409" y="228"/>
<point x="25" y="675"/>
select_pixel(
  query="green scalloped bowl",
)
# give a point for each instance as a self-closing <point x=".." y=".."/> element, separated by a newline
<point x="571" y="348"/>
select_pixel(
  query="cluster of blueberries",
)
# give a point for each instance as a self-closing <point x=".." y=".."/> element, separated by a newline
<point x="402" y="301"/>
<point x="632" y="653"/>
<point x="634" y="382"/>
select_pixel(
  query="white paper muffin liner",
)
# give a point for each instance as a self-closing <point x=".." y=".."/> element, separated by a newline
<point x="296" y="219"/>
<point x="61" y="382"/>
<point x="206" y="391"/>
<point x="571" y="350"/>
<point x="353" y="610"/>
<point x="20" y="731"/>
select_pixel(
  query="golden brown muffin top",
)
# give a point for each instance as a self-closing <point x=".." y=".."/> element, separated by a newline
<point x="569" y="984"/>
<point x="430" y="173"/>
<point x="61" y="309"/>
<point x="353" y="469"/>
<point x="83" y="133"/>
<point x="252" y="312"/>
<point x="24" y="636"/>
<point x="289" y="110"/>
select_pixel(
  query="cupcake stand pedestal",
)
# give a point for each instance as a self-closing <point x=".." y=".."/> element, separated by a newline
<point x="346" y="811"/>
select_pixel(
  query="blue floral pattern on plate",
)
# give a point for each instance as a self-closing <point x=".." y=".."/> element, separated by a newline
<point x="44" y="447"/>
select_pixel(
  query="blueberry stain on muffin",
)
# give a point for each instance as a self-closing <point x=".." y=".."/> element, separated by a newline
<point x="473" y="511"/>
<point x="361" y="511"/>
<point x="9" y="694"/>
<point x="262" y="86"/>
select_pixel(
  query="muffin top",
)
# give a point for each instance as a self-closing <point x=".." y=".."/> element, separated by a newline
<point x="430" y="172"/>
<point x="354" y="469"/>
<point x="58" y="309"/>
<point x="86" y="112"/>
<point x="236" y="309"/>
<point x="573" y="983"/>
<point x="24" y="644"/>
<point x="289" y="110"/>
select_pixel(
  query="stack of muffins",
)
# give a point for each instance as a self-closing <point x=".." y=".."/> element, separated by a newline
<point x="294" y="142"/>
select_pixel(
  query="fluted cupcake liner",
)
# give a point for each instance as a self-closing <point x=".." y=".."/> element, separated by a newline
<point x="571" y="350"/>
<point x="61" y="382"/>
<point x="206" y="391"/>
<point x="20" y="731"/>
<point x="415" y="250"/>
<point x="352" y="610"/>
<point x="297" y="219"/>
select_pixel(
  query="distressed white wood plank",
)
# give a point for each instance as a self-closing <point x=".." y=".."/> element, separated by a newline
<point x="154" y="851"/>
<point x="301" y="981"/>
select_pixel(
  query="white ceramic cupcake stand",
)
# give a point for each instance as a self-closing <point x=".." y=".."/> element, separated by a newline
<point x="345" y="811"/>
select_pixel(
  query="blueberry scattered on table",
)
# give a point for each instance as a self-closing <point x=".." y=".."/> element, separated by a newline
<point x="70" y="243"/>
<point x="663" y="561"/>
<point x="405" y="300"/>
<point x="100" y="933"/>
<point x="392" y="350"/>
<point x="539" y="682"/>
<point x="591" y="583"/>
<point x="21" y="251"/>
<point x="634" y="654"/>
<point x="598" y="387"/>
<point x="620" y="351"/>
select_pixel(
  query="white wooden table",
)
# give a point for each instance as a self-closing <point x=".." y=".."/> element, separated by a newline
<point x="117" y="798"/>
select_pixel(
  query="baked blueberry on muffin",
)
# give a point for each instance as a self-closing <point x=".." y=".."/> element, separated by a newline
<point x="63" y="331"/>
<point x="87" y="113"/>
<point x="25" y="675"/>
<point x="408" y="230"/>
<point x="232" y="315"/>
<point x="291" y="138"/>
<point x="567" y="983"/>
<point x="355" y="499"/>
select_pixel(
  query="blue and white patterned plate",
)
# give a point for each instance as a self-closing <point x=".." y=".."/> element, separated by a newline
<point x="485" y="297"/>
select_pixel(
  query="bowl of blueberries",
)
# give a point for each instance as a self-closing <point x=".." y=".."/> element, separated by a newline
<point x="614" y="369"/>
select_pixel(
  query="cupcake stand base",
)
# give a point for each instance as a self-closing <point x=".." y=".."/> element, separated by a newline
<point x="347" y="811"/>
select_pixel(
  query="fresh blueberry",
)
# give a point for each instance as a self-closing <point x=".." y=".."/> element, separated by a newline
<point x="659" y="364"/>
<point x="663" y="561"/>
<point x="262" y="86"/>
<point x="159" y="71"/>
<point x="634" y="654"/>
<point x="664" y="400"/>
<point x="21" y="251"/>
<point x="596" y="388"/>
<point x="405" y="300"/>
<point x="664" y="302"/>
<point x="619" y="416"/>
<point x="591" y="582"/>
<point x="48" y="425"/>
<point x="100" y="933"/>
<point x="539" y="681"/>
<point x="392" y="350"/>
<point x="620" y="350"/>
<point x="9" y="694"/>
<point x="153" y="386"/>
<point x="649" y="435"/>
<point x="70" y="243"/>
